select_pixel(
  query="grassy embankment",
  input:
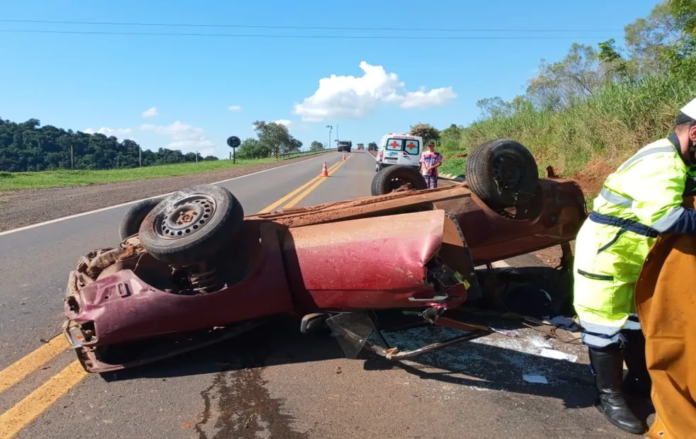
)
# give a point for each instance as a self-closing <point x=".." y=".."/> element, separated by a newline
<point x="61" y="178"/>
<point x="46" y="179"/>
<point x="589" y="140"/>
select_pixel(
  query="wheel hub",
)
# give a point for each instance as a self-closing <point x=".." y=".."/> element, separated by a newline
<point x="507" y="172"/>
<point x="396" y="184"/>
<point x="186" y="216"/>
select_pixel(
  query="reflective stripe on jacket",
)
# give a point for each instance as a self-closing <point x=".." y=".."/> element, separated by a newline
<point x="648" y="188"/>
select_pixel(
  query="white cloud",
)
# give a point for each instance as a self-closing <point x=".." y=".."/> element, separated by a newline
<point x="119" y="133"/>
<point x="285" y="122"/>
<point x="355" y="97"/>
<point x="425" y="99"/>
<point x="234" y="108"/>
<point x="183" y="136"/>
<point x="206" y="151"/>
<point x="152" y="112"/>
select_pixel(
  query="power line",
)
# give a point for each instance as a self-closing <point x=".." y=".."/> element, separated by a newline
<point x="332" y="37"/>
<point x="250" y="26"/>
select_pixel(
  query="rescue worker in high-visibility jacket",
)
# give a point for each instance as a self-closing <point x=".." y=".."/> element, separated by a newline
<point x="640" y="200"/>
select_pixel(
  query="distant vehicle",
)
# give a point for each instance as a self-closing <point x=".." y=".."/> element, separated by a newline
<point x="372" y="146"/>
<point x="344" y="145"/>
<point x="360" y="146"/>
<point x="398" y="149"/>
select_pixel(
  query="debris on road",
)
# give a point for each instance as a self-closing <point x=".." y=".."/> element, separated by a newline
<point x="561" y="322"/>
<point x="558" y="355"/>
<point x="540" y="342"/>
<point x="248" y="420"/>
<point x="536" y="379"/>
<point x="506" y="333"/>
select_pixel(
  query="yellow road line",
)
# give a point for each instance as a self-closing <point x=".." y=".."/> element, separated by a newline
<point x="28" y="409"/>
<point x="311" y="188"/>
<point x="298" y="190"/>
<point x="16" y="372"/>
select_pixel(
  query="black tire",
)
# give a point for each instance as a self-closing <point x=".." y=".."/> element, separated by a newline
<point x="214" y="219"/>
<point x="502" y="173"/>
<point x="391" y="178"/>
<point x="130" y="224"/>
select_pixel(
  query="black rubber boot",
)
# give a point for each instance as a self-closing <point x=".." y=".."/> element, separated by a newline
<point x="637" y="382"/>
<point x="608" y="372"/>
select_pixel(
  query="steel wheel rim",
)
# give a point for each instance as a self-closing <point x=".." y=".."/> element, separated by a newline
<point x="185" y="216"/>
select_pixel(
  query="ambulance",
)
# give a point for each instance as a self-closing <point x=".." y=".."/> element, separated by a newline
<point x="398" y="149"/>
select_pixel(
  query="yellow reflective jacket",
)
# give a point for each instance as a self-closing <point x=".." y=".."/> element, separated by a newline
<point x="648" y="188"/>
<point x="637" y="202"/>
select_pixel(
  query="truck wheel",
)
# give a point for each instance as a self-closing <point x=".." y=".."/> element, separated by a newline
<point x="502" y="173"/>
<point x="130" y="224"/>
<point x="192" y="225"/>
<point x="394" y="177"/>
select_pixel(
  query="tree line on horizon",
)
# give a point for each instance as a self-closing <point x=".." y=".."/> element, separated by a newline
<point x="30" y="147"/>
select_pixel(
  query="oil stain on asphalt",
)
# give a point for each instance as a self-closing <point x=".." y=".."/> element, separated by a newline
<point x="237" y="403"/>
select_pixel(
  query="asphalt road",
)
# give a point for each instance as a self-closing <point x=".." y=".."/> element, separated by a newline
<point x="275" y="382"/>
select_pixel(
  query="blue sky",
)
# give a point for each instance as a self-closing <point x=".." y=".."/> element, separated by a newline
<point x="108" y="82"/>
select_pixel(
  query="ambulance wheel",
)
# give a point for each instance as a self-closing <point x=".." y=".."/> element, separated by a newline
<point x="502" y="173"/>
<point x="397" y="177"/>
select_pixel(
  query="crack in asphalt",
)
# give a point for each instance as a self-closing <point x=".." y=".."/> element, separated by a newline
<point x="205" y="416"/>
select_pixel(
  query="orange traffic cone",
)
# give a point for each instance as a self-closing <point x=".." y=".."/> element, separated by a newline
<point x="344" y="156"/>
<point x="324" y="171"/>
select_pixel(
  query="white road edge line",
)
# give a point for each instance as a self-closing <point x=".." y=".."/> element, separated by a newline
<point x="45" y="223"/>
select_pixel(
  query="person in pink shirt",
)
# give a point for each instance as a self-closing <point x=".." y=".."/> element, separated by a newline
<point x="430" y="160"/>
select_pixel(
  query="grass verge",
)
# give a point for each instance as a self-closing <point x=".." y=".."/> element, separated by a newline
<point x="46" y="179"/>
<point x="588" y="140"/>
<point x="453" y="165"/>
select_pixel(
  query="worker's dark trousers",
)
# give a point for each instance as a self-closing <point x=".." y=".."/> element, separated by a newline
<point x="637" y="381"/>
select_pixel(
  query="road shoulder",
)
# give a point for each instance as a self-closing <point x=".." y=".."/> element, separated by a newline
<point x="26" y="207"/>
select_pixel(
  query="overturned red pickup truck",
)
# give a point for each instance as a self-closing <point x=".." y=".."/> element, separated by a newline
<point x="192" y="264"/>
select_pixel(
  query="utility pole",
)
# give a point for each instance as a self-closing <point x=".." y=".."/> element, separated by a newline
<point x="72" y="160"/>
<point x="330" y="128"/>
<point x="140" y="155"/>
<point x="337" y="137"/>
<point x="196" y="156"/>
